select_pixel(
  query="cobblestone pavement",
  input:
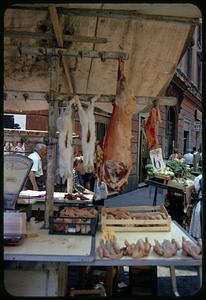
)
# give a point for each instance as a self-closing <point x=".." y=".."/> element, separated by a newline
<point x="188" y="283"/>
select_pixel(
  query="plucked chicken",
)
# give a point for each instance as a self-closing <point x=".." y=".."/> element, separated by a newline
<point x="109" y="249"/>
<point x="138" y="250"/>
<point x="191" y="249"/>
<point x="167" y="248"/>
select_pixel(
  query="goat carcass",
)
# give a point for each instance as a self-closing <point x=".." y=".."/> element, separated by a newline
<point x="64" y="126"/>
<point x="87" y="121"/>
<point x="117" y="157"/>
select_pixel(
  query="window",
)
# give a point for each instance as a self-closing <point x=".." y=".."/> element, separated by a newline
<point x="199" y="35"/>
<point x="189" y="62"/>
<point x="170" y="131"/>
<point x="100" y="131"/>
<point x="15" y="121"/>
<point x="101" y="122"/>
<point x="199" y="72"/>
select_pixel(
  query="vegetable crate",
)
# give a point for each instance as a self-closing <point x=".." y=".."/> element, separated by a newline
<point x="164" y="178"/>
<point x="74" y="221"/>
<point x="136" y="218"/>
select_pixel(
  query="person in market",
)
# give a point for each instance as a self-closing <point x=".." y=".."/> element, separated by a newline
<point x="196" y="220"/>
<point x="35" y="180"/>
<point x="77" y="174"/>
<point x="189" y="158"/>
<point x="174" y="155"/>
<point x="20" y="147"/>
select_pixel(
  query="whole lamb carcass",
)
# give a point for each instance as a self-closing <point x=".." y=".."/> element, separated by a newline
<point x="64" y="126"/>
<point x="117" y="157"/>
<point x="87" y="121"/>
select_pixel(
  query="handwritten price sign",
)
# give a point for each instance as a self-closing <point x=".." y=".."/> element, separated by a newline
<point x="157" y="160"/>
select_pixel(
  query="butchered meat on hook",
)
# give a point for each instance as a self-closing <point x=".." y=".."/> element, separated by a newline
<point x="64" y="126"/>
<point x="87" y="121"/>
<point x="117" y="161"/>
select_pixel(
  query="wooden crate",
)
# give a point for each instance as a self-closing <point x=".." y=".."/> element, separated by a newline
<point x="84" y="293"/>
<point x="164" y="178"/>
<point x="136" y="224"/>
<point x="176" y="185"/>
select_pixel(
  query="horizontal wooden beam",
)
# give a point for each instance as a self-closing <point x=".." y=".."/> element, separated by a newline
<point x="50" y="36"/>
<point x="40" y="95"/>
<point x="13" y="135"/>
<point x="111" y="13"/>
<point x="103" y="55"/>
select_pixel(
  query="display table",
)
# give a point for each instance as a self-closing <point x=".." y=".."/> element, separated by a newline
<point x="169" y="188"/>
<point x="33" y="197"/>
<point x="81" y="251"/>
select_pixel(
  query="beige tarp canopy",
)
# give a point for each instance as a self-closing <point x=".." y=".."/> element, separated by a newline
<point x="154" y="36"/>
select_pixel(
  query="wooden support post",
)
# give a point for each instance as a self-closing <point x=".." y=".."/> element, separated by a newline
<point x="52" y="140"/>
<point x="60" y="42"/>
<point x="71" y="90"/>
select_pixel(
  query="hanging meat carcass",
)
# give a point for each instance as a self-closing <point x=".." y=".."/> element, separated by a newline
<point x="150" y="127"/>
<point x="87" y="121"/>
<point x="64" y="126"/>
<point x="117" y="157"/>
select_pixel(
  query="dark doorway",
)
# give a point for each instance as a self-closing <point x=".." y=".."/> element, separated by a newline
<point x="170" y="131"/>
<point x="186" y="141"/>
<point x="143" y="153"/>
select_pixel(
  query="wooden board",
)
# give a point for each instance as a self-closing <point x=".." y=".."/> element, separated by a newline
<point x="176" y="185"/>
<point x="136" y="224"/>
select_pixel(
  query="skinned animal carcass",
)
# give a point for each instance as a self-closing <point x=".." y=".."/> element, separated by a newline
<point x="150" y="128"/>
<point x="64" y="126"/>
<point x="87" y="121"/>
<point x="117" y="157"/>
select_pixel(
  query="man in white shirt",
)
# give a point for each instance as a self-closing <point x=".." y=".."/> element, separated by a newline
<point x="34" y="181"/>
<point x="189" y="158"/>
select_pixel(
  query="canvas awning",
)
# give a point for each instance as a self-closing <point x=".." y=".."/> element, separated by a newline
<point x="154" y="36"/>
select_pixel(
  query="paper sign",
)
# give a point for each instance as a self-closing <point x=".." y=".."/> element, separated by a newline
<point x="157" y="160"/>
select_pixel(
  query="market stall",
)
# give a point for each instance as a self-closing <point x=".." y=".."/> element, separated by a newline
<point x="70" y="235"/>
<point x="177" y="179"/>
<point x="79" y="251"/>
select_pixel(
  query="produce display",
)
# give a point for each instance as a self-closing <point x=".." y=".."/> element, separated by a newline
<point x="190" y="249"/>
<point x="166" y="248"/>
<point x="176" y="170"/>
